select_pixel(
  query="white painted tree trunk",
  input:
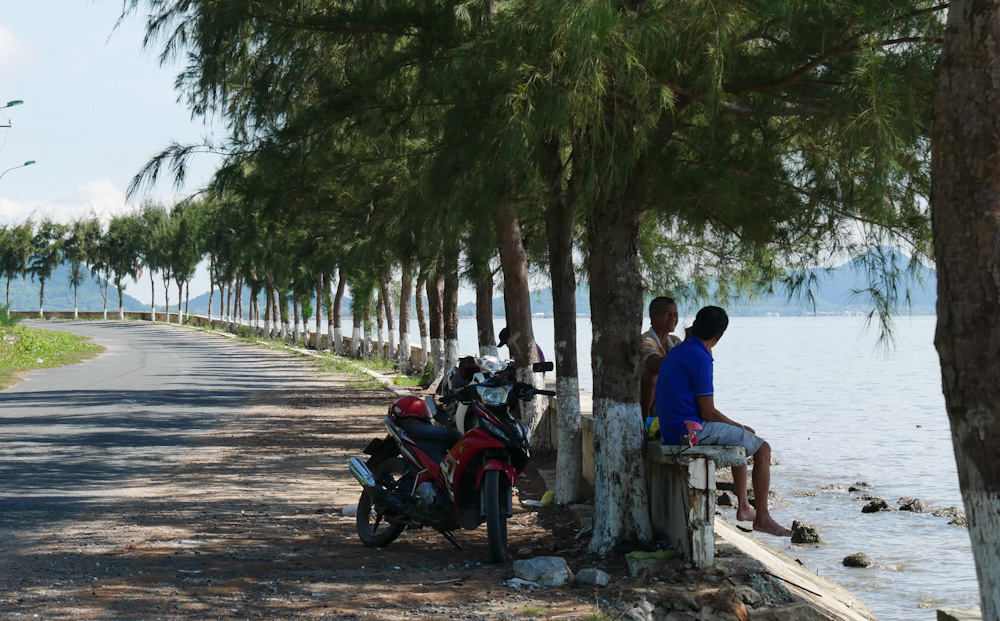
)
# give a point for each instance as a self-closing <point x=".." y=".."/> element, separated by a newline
<point x="426" y="351"/>
<point x="357" y="345"/>
<point x="296" y="333"/>
<point x="438" y="357"/>
<point x="533" y="412"/>
<point x="451" y="360"/>
<point x="338" y="339"/>
<point x="489" y="350"/>
<point x="166" y="298"/>
<point x="621" y="510"/>
<point x="569" y="452"/>
<point x="152" y="297"/>
<point x="76" y="305"/>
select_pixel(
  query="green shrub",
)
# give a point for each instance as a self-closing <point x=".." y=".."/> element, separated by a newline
<point x="244" y="332"/>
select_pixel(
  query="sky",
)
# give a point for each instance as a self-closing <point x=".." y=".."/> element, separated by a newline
<point x="96" y="108"/>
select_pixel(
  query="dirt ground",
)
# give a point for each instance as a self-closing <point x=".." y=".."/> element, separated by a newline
<point x="253" y="529"/>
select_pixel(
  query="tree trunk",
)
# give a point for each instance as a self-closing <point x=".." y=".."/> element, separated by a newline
<point x="104" y="294"/>
<point x="449" y="304"/>
<point x="380" y="322"/>
<point x="434" y="307"/>
<point x="559" y="230"/>
<point x="390" y="320"/>
<point x="965" y="192"/>
<point x="328" y="308"/>
<point x="211" y="290"/>
<point x="338" y="303"/>
<point x="41" y="298"/>
<point x="268" y="308"/>
<point x="121" y="299"/>
<point x="425" y="339"/>
<point x="152" y="297"/>
<point x="229" y="306"/>
<point x="281" y="299"/>
<point x="319" y="312"/>
<point x="180" y="301"/>
<point x="621" y="503"/>
<point x="517" y="307"/>
<point x="166" y="295"/>
<point x="76" y="303"/>
<point x="187" y="299"/>
<point x="484" y="316"/>
<point x="296" y="334"/>
<point x="358" y="316"/>
<point x="405" y="303"/>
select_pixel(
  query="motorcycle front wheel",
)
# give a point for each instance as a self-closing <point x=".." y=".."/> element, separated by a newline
<point x="495" y="491"/>
<point x="374" y="530"/>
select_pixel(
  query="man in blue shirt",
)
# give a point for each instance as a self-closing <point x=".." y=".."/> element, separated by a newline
<point x="685" y="405"/>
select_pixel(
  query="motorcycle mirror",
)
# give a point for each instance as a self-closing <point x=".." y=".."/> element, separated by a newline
<point x="542" y="367"/>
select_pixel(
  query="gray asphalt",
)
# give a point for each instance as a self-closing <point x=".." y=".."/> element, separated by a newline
<point x="76" y="436"/>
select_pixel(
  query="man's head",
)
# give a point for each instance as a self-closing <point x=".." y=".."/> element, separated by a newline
<point x="663" y="314"/>
<point x="504" y="337"/>
<point x="710" y="323"/>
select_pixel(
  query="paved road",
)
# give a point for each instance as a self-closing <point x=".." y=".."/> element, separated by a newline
<point x="79" y="435"/>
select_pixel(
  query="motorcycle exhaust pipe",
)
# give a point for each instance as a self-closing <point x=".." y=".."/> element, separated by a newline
<point x="360" y="471"/>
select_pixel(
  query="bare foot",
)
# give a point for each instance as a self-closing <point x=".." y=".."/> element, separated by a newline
<point x="769" y="526"/>
<point x="746" y="514"/>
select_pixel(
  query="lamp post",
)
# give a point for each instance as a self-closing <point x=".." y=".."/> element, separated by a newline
<point x="28" y="163"/>
<point x="11" y="104"/>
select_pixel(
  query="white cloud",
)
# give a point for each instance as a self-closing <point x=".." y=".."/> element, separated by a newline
<point x="100" y="197"/>
<point x="14" y="52"/>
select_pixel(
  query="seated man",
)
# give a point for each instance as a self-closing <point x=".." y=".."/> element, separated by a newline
<point x="655" y="345"/>
<point x="684" y="392"/>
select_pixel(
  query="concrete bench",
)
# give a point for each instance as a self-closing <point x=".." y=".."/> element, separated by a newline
<point x="681" y="481"/>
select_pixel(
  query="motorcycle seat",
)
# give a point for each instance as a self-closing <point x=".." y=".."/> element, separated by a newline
<point x="422" y="431"/>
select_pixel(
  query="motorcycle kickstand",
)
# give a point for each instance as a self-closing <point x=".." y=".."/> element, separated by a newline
<point x="451" y="539"/>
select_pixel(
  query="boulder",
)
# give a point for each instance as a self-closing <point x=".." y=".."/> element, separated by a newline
<point x="728" y="602"/>
<point x="804" y="533"/>
<point x="725" y="498"/>
<point x="545" y="570"/>
<point x="858" y="559"/>
<point x="960" y="521"/>
<point x="876" y="505"/>
<point x="952" y="512"/>
<point x="350" y="510"/>
<point x="643" y="611"/>
<point x="592" y="575"/>
<point x="860" y="486"/>
<point x="912" y="504"/>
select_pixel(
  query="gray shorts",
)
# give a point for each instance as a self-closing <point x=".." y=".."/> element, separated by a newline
<point x="724" y="434"/>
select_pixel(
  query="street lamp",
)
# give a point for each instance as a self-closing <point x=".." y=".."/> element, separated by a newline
<point x="28" y="163"/>
<point x="11" y="104"/>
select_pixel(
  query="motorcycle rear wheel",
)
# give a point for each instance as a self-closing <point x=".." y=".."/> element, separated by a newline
<point x="373" y="529"/>
<point x="496" y="490"/>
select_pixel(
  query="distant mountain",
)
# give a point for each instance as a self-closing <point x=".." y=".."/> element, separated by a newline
<point x="833" y="291"/>
<point x="59" y="294"/>
<point x="838" y="291"/>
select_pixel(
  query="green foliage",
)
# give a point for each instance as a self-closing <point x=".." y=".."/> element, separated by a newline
<point x="6" y="320"/>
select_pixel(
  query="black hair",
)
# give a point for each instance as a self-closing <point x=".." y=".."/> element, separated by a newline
<point x="710" y="322"/>
<point x="657" y="305"/>
<point x="504" y="337"/>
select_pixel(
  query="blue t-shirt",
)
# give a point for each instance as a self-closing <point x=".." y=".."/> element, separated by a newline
<point x="685" y="375"/>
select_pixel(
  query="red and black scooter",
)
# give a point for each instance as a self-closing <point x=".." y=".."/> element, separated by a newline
<point x="446" y="479"/>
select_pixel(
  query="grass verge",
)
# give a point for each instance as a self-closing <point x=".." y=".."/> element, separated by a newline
<point x="25" y="349"/>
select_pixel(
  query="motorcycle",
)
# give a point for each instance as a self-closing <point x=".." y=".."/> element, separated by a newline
<point x="422" y="474"/>
<point x="470" y="370"/>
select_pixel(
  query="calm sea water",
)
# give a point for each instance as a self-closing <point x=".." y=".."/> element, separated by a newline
<point x="838" y="409"/>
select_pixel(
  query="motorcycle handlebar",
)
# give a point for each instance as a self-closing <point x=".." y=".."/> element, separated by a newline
<point x="526" y="391"/>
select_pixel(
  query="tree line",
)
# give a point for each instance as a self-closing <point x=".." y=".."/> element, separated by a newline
<point x="700" y="149"/>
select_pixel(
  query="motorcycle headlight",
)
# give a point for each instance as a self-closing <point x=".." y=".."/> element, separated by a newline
<point x="490" y="364"/>
<point x="493" y="395"/>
